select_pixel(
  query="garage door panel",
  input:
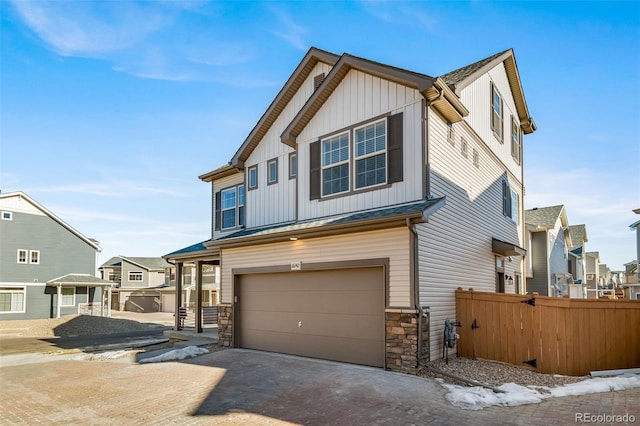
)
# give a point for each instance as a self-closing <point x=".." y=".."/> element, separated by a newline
<point x="335" y="314"/>
<point x="357" y="351"/>
<point x="330" y="302"/>
<point x="359" y="327"/>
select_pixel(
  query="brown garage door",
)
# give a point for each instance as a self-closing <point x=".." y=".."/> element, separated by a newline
<point x="335" y="314"/>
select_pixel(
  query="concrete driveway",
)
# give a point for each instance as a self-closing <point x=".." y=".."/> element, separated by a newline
<point x="247" y="387"/>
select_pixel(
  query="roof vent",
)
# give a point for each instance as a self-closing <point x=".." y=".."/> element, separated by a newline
<point x="317" y="81"/>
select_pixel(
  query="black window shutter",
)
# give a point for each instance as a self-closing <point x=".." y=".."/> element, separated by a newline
<point x="394" y="149"/>
<point x="218" y="211"/>
<point x="314" y="170"/>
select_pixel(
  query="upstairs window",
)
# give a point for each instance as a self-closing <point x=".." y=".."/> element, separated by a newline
<point x="335" y="164"/>
<point x="377" y="149"/>
<point x="34" y="257"/>
<point x="510" y="202"/>
<point x="496" y="114"/>
<point x="293" y="165"/>
<point x="230" y="208"/>
<point x="371" y="154"/>
<point x="135" y="276"/>
<point x="464" y="148"/>
<point x="7" y="215"/>
<point x="272" y="171"/>
<point x="515" y="140"/>
<point x="252" y="179"/>
<point x="22" y="256"/>
<point x="451" y="134"/>
<point x="476" y="158"/>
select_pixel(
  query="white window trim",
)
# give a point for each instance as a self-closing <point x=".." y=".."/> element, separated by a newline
<point x="324" y="167"/>
<point x="515" y="143"/>
<point x="514" y="206"/>
<point x="356" y="158"/>
<point x="9" y="215"/>
<point x="136" y="273"/>
<point x="26" y="256"/>
<point x="272" y="179"/>
<point x="464" y="147"/>
<point x="235" y="207"/>
<point x="497" y="128"/>
<point x="451" y="137"/>
<point x="12" y="290"/>
<point x="37" y="253"/>
<point x="476" y="158"/>
<point x="62" y="297"/>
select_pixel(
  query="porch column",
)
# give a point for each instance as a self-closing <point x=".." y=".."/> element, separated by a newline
<point x="59" y="301"/>
<point x="178" y="296"/>
<point x="198" y="310"/>
<point x="109" y="301"/>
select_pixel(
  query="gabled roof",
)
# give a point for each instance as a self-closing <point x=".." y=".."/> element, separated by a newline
<point x="148" y="263"/>
<point x="578" y="235"/>
<point x="281" y="100"/>
<point x="545" y="217"/>
<point x="594" y="254"/>
<point x="462" y="77"/>
<point x="378" y="218"/>
<point x="433" y="89"/>
<point x="83" y="280"/>
<point x="93" y="243"/>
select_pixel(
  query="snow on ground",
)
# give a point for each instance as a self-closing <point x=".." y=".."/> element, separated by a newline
<point x="477" y="398"/>
<point x="177" y="354"/>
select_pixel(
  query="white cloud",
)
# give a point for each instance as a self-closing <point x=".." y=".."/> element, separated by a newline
<point x="289" y="30"/>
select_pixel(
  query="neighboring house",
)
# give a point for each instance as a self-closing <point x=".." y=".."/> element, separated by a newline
<point x="549" y="240"/>
<point x="577" y="253"/>
<point x="363" y="197"/>
<point x="594" y="287"/>
<point x="210" y="291"/>
<point x="47" y="268"/>
<point x="632" y="286"/>
<point x="636" y="226"/>
<point x="138" y="281"/>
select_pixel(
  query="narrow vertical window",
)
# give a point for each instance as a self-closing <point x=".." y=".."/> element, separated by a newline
<point x="34" y="256"/>
<point x="476" y="158"/>
<point x="496" y="114"/>
<point x="241" y="205"/>
<point x="22" y="256"/>
<point x="464" y="148"/>
<point x="451" y="134"/>
<point x="293" y="165"/>
<point x="272" y="171"/>
<point x="515" y="140"/>
<point x="229" y="199"/>
<point x="252" y="179"/>
<point x="514" y="206"/>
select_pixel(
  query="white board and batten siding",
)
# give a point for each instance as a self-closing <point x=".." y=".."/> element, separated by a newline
<point x="375" y="98"/>
<point x="388" y="243"/>
<point x="277" y="201"/>
<point x="461" y="232"/>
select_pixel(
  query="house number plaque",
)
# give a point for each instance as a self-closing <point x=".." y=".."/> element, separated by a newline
<point x="296" y="266"/>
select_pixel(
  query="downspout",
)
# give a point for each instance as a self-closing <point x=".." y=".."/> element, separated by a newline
<point x="414" y="281"/>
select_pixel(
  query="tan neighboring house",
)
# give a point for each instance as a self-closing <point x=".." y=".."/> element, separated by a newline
<point x="138" y="279"/>
<point x="594" y="285"/>
<point x="362" y="198"/>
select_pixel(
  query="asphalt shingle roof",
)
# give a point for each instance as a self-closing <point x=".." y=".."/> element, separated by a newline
<point x="543" y="216"/>
<point x="454" y="77"/>
<point x="190" y="249"/>
<point x="147" y="262"/>
<point x="79" y="279"/>
<point x="577" y="234"/>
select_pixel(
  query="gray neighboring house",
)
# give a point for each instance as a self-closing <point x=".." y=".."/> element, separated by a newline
<point x="577" y="255"/>
<point x="549" y="239"/>
<point x="139" y="282"/>
<point x="47" y="268"/>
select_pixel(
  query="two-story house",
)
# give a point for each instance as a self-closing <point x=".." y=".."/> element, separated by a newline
<point x="577" y="259"/>
<point x="548" y="244"/>
<point x="138" y="281"/>
<point x="362" y="198"/>
<point x="47" y="268"/>
<point x="594" y="287"/>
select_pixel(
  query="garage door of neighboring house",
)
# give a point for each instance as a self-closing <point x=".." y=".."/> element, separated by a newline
<point x="168" y="302"/>
<point x="333" y="314"/>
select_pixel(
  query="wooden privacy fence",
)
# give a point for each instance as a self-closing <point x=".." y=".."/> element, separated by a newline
<point x="552" y="335"/>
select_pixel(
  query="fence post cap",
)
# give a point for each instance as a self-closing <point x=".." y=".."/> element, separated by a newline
<point x="459" y="289"/>
<point x="471" y="289"/>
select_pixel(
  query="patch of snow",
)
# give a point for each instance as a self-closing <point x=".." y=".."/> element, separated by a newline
<point x="477" y="398"/>
<point x="177" y="354"/>
<point x="103" y="355"/>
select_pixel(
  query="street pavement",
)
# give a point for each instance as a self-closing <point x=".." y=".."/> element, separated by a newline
<point x="258" y="388"/>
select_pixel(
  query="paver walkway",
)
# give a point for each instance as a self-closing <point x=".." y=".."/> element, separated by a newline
<point x="247" y="387"/>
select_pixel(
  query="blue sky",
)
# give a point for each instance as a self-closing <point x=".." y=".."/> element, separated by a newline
<point x="110" y="110"/>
